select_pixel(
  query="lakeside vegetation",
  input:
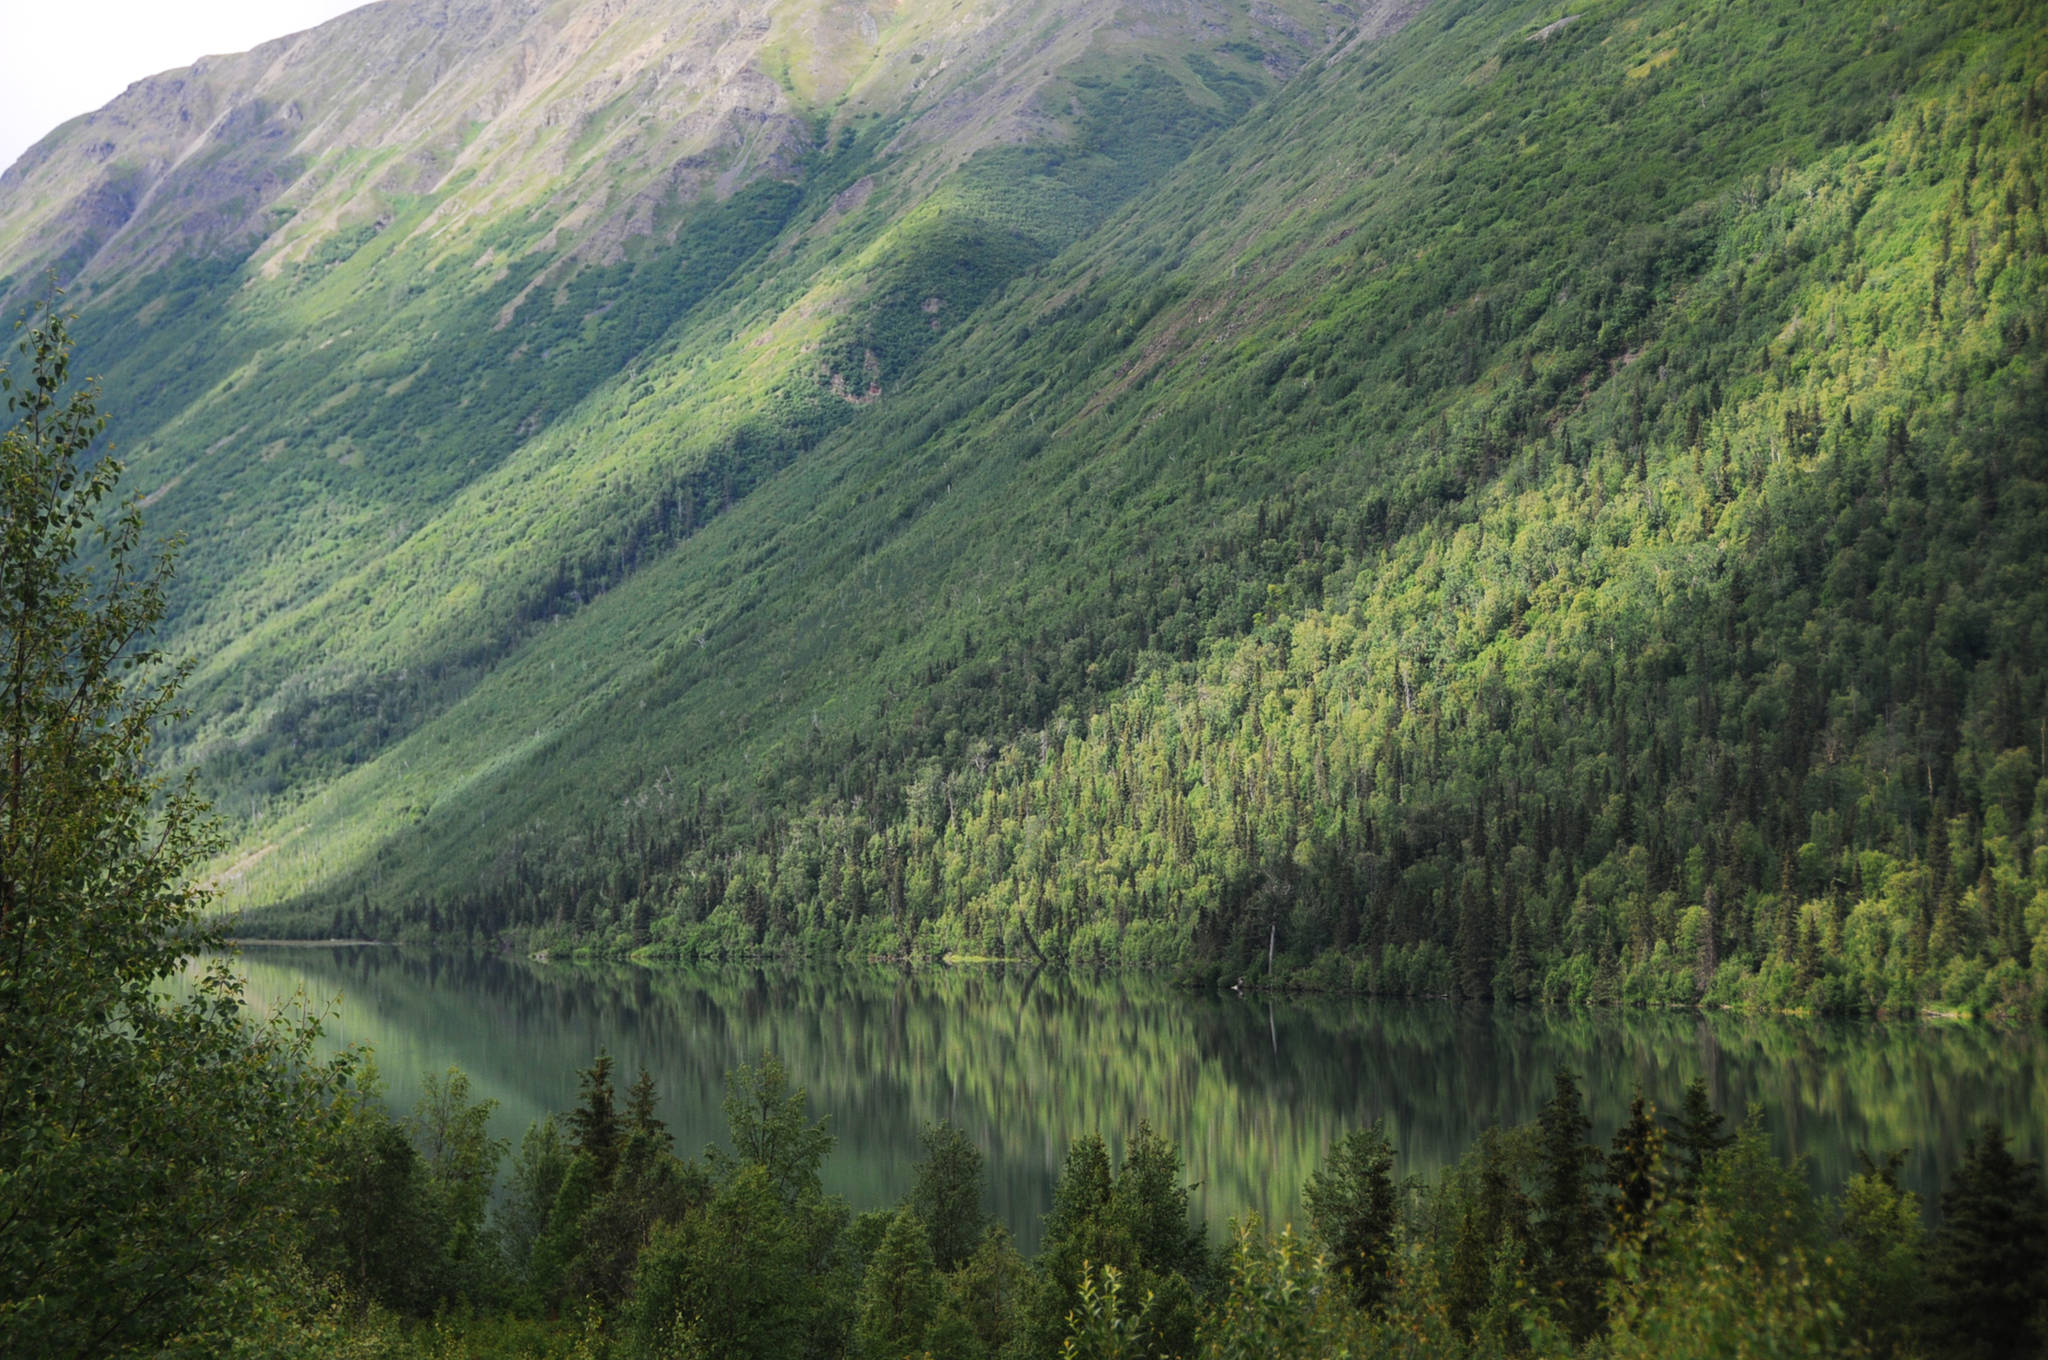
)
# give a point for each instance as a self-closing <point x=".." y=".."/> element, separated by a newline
<point x="1252" y="1089"/>
<point x="1681" y="1238"/>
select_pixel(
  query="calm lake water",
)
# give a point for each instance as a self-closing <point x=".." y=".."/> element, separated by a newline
<point x="1252" y="1089"/>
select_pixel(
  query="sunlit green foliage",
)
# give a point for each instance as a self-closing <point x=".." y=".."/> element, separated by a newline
<point x="1523" y="517"/>
<point x="1282" y="1300"/>
<point x="547" y="426"/>
<point x="153" y="1148"/>
<point x="1585" y="554"/>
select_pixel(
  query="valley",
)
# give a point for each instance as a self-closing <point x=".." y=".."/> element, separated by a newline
<point x="1323" y="677"/>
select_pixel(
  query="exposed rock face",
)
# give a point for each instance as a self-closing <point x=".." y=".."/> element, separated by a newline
<point x="601" y="116"/>
<point x="277" y="147"/>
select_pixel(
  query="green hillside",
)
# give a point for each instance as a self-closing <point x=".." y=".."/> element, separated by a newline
<point x="403" y="422"/>
<point x="1545" y="504"/>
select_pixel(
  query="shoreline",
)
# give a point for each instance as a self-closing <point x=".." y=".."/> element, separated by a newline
<point x="315" y="944"/>
<point x="1246" y="987"/>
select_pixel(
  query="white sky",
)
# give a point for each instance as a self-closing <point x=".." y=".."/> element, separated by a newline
<point x="61" y="58"/>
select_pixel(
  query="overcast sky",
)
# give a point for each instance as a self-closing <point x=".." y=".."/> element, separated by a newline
<point x="67" y="57"/>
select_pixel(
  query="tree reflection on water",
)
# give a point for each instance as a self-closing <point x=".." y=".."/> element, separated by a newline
<point x="1253" y="1088"/>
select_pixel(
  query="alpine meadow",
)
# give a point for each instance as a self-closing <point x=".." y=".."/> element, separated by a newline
<point x="1444" y="500"/>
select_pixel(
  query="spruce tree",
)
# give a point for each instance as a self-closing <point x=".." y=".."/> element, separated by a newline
<point x="1134" y="1220"/>
<point x="947" y="1193"/>
<point x="1699" y="1133"/>
<point x="1708" y="960"/>
<point x="1350" y="1203"/>
<point x="1468" y="1284"/>
<point x="640" y="1116"/>
<point x="1988" y="1261"/>
<point x="1521" y="962"/>
<point x="986" y="1291"/>
<point x="1077" y="1237"/>
<point x="1568" y="1227"/>
<point x="1635" y="1168"/>
<point x="1474" y="946"/>
<point x="1168" y="1250"/>
<point x="1082" y="1189"/>
<point x="900" y="1293"/>
<point x="594" y="1124"/>
<point x="1493" y="1233"/>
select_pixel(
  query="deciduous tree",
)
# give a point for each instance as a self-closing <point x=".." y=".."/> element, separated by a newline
<point x="153" y="1143"/>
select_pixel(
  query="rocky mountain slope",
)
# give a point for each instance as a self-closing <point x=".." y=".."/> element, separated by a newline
<point x="600" y="120"/>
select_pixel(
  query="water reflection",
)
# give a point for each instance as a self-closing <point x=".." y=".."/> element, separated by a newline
<point x="1252" y="1089"/>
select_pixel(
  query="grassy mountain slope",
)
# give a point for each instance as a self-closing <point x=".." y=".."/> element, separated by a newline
<point x="407" y="291"/>
<point x="379" y="295"/>
<point x="1534" y="508"/>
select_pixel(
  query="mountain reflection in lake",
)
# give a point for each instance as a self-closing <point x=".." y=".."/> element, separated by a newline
<point x="1253" y="1090"/>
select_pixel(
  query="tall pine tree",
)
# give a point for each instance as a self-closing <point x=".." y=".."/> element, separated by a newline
<point x="1699" y="1133"/>
<point x="1635" y="1168"/>
<point x="1350" y="1203"/>
<point x="594" y="1124"/>
<point x="1570" y="1215"/>
<point x="1988" y="1262"/>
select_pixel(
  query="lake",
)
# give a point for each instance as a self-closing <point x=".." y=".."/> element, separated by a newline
<point x="1253" y="1089"/>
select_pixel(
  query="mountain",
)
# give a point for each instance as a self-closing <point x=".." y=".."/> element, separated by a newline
<point x="357" y="290"/>
<point x="1480" y="499"/>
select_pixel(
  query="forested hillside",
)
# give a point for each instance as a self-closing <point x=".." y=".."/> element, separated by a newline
<point x="1540" y="504"/>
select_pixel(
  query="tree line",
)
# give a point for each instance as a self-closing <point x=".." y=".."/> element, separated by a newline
<point x="1681" y="1236"/>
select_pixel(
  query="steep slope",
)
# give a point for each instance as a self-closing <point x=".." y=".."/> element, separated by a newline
<point x="600" y="118"/>
<point x="1536" y="508"/>
<point x="1634" y="561"/>
<point x="353" y="290"/>
<point x="345" y="276"/>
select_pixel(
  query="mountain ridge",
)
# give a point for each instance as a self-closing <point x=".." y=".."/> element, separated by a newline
<point x="701" y="94"/>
